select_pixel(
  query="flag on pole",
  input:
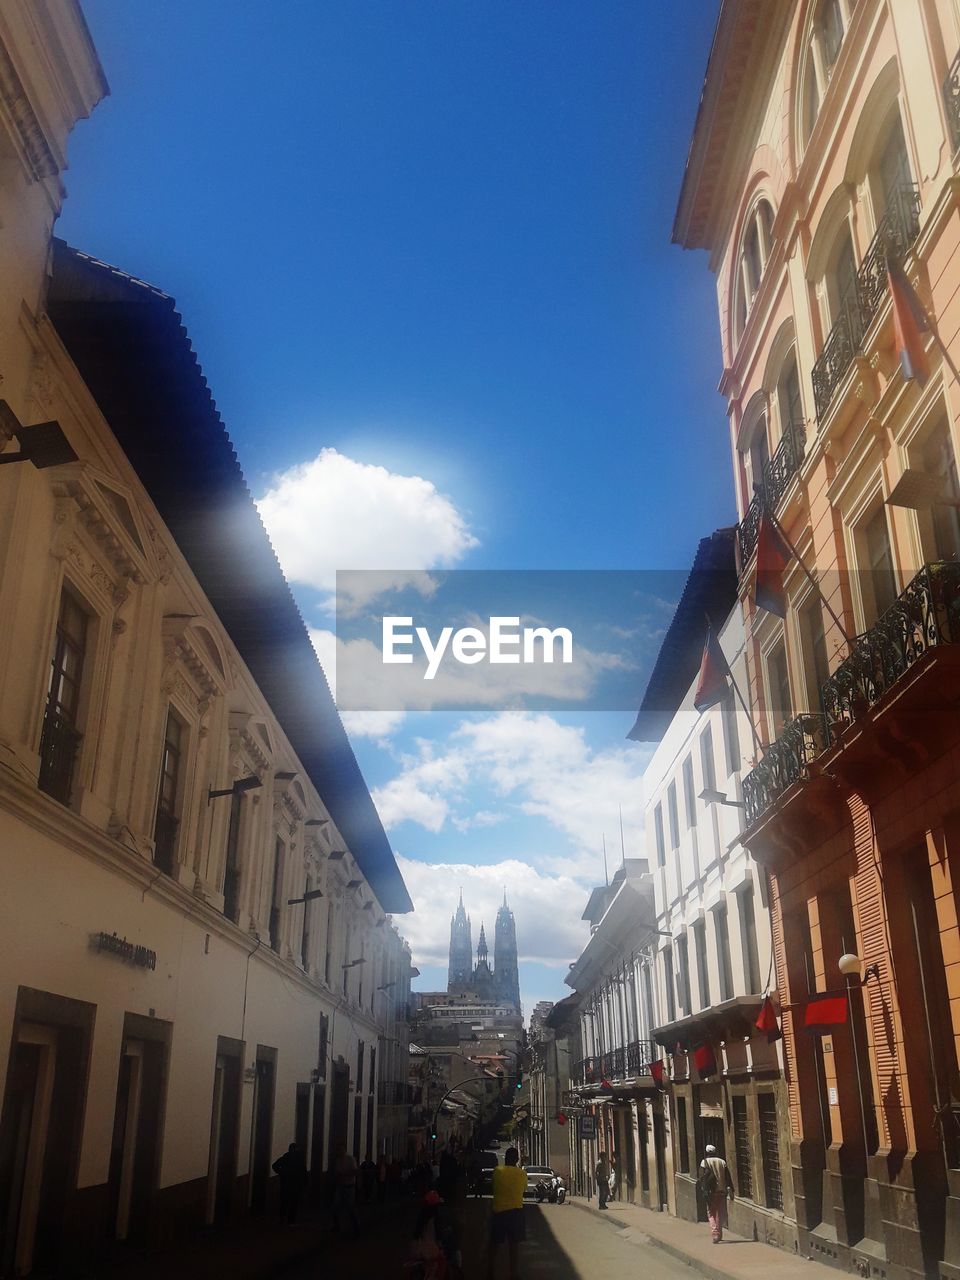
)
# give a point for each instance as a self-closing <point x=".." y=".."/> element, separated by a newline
<point x="773" y="556"/>
<point x="767" y="1021"/>
<point x="909" y="324"/>
<point x="825" y="1011"/>
<point x="655" y="1071"/>
<point x="714" y="670"/>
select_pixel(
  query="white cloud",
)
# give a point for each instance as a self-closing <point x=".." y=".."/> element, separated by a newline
<point x="538" y="767"/>
<point x="546" y="907"/>
<point x="336" y="513"/>
<point x="482" y="818"/>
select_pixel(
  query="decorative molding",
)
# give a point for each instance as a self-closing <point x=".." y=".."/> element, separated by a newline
<point x="26" y="127"/>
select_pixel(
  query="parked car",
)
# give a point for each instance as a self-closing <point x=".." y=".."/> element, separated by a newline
<point x="543" y="1183"/>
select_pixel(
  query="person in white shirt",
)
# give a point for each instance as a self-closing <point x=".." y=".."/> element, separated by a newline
<point x="716" y="1184"/>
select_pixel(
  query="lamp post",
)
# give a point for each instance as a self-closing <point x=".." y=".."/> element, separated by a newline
<point x="850" y="966"/>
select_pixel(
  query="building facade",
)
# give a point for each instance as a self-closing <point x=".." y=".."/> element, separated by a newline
<point x="614" y="980"/>
<point x="714" y="959"/>
<point x="548" y="1077"/>
<point x="825" y="149"/>
<point x="200" y="962"/>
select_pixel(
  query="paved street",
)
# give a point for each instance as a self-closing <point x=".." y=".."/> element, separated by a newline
<point x="563" y="1243"/>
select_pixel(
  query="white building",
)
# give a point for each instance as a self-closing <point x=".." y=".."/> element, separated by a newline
<point x="198" y="962"/>
<point x="714" y="949"/>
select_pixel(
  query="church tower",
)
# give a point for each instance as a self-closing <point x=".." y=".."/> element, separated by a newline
<point x="460" y="968"/>
<point x="505" y="962"/>
<point x="483" y="979"/>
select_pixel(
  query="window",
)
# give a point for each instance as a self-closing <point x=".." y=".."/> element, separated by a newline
<point x="842" y="278"/>
<point x="276" y="894"/>
<point x="322" y="1046"/>
<point x="346" y="959"/>
<point x="814" y="641"/>
<point x="731" y="735"/>
<point x="724" y="971"/>
<point x="754" y="254"/>
<point x="61" y="736"/>
<point x="829" y="28"/>
<point x="939" y="459"/>
<point x="703" y="973"/>
<point x="741" y="1138"/>
<point x="683" y="1141"/>
<point x="707" y="765"/>
<point x="770" y="1150"/>
<point x="779" y="681"/>
<point x="683" y="973"/>
<point x="667" y="954"/>
<point x="166" y="820"/>
<point x="790" y="398"/>
<point x="673" y="816"/>
<point x="658" y="831"/>
<point x="328" y="945"/>
<point x="893" y="168"/>
<point x="759" y="456"/>
<point x="748" y="941"/>
<point x="305" y="927"/>
<point x="689" y="795"/>
<point x="882" y="583"/>
<point x="231" y="870"/>
<point x="646" y="986"/>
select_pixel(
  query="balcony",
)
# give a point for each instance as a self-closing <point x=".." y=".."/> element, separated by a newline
<point x="629" y="1062"/>
<point x="924" y="617"/>
<point x="897" y="231"/>
<point x="951" y="101"/>
<point x="787" y="761"/>
<point x="777" y="474"/>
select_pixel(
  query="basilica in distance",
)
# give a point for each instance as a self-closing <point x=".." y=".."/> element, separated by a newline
<point x="497" y="985"/>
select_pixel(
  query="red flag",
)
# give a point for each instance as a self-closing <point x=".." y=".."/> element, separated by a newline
<point x="767" y="1021"/>
<point x="704" y="1059"/>
<point x="605" y="1083"/>
<point x="714" y="670"/>
<point x="825" y="1011"/>
<point x="773" y="556"/>
<point x="909" y="324"/>
<point x="655" y="1069"/>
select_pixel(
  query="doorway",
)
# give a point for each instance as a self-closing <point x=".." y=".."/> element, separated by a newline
<point x="339" y="1102"/>
<point x="316" y="1140"/>
<point x="40" y="1126"/>
<point x="659" y="1150"/>
<point x="224" y="1129"/>
<point x="137" y="1127"/>
<point x="262" y="1136"/>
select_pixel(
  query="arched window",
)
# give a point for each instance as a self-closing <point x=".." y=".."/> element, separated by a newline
<point x="789" y="396"/>
<point x="754" y="255"/>
<point x="823" y="44"/>
<point x="754" y="447"/>
<point x="840" y="277"/>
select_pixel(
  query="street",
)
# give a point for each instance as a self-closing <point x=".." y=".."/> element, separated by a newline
<point x="563" y="1243"/>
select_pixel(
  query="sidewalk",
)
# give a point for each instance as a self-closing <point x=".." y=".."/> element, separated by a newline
<point x="734" y="1259"/>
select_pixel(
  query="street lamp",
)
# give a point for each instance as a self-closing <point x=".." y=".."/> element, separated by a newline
<point x="238" y="788"/>
<point x="44" y="444"/>
<point x="712" y="796"/>
<point x="307" y="897"/>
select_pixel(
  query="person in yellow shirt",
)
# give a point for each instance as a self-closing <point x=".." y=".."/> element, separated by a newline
<point x="507" y="1222"/>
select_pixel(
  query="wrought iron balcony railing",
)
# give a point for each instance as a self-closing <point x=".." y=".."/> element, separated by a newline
<point x="951" y="100"/>
<point x="59" y="742"/>
<point x="783" y="764"/>
<point x="896" y="232"/>
<point x="780" y="469"/>
<point x="925" y="614"/>
<point x="625" y="1063"/>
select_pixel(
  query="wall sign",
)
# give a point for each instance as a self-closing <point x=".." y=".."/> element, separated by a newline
<point x="588" y="1127"/>
<point x="132" y="952"/>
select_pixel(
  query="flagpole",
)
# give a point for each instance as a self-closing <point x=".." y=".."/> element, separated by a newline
<point x="761" y="749"/>
<point x="812" y="580"/>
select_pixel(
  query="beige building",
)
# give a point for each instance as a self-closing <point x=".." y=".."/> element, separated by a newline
<point x="825" y="147"/>
<point x="199" y="964"/>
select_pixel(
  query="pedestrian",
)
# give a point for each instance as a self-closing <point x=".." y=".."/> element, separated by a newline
<point x="603" y="1179"/>
<point x="614" y="1176"/>
<point x="716" y="1184"/>
<point x="368" y="1178"/>
<point x="449" y="1175"/>
<point x="291" y="1170"/>
<point x="436" y="1239"/>
<point x="507" y="1225"/>
<point x="345" y="1194"/>
<point x="383" y="1166"/>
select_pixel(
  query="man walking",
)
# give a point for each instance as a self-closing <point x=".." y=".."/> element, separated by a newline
<point x="291" y="1170"/>
<point x="507" y="1225"/>
<point x="603" y="1179"/>
<point x="715" y="1183"/>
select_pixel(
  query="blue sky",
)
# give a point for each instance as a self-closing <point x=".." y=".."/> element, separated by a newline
<point x="422" y="248"/>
